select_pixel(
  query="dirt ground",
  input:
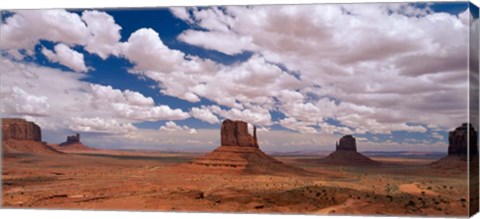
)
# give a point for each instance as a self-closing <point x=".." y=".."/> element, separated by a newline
<point x="109" y="180"/>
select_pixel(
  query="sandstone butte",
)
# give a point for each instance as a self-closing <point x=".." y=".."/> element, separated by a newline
<point x="20" y="129"/>
<point x="72" y="143"/>
<point x="346" y="154"/>
<point x="239" y="152"/>
<point x="21" y="136"/>
<point x="458" y="148"/>
<point x="458" y="140"/>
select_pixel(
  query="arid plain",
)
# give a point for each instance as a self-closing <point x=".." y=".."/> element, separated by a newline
<point x="135" y="181"/>
<point x="83" y="178"/>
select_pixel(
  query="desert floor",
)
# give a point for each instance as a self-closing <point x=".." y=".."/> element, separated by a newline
<point x="109" y="180"/>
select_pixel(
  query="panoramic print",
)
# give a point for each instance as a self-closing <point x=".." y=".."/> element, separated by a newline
<point x="346" y="109"/>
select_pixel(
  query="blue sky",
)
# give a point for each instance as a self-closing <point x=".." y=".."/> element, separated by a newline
<point x="307" y="71"/>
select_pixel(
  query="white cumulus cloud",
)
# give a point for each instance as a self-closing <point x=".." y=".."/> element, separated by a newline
<point x="203" y="113"/>
<point x="96" y="31"/>
<point x="104" y="34"/>
<point x="27" y="90"/>
<point x="67" y="57"/>
<point x="171" y="126"/>
<point x="25" y="28"/>
<point x="100" y="125"/>
<point x="18" y="102"/>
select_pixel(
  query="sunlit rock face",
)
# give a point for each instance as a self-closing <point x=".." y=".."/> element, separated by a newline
<point x="235" y="133"/>
<point x="20" y="129"/>
<point x="20" y="136"/>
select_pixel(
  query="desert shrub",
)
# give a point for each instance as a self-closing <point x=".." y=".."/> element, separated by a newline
<point x="410" y="203"/>
<point x="391" y="189"/>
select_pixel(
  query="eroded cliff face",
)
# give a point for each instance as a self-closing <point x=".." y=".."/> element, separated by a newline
<point x="20" y="136"/>
<point x="20" y="129"/>
<point x="235" y="133"/>
<point x="458" y="140"/>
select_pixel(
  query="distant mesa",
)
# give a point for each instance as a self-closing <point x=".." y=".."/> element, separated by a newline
<point x="346" y="154"/>
<point x="458" y="148"/>
<point x="21" y="136"/>
<point x="73" y="139"/>
<point x="239" y="153"/>
<point x="73" y="143"/>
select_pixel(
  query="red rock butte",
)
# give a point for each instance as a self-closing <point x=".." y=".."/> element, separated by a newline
<point x="72" y="139"/>
<point x="346" y="154"/>
<point x="72" y="143"/>
<point x="458" y="148"/>
<point x="235" y="133"/>
<point x="347" y="143"/>
<point x="21" y="136"/>
<point x="458" y="140"/>
<point x="239" y="153"/>
<point x="20" y="129"/>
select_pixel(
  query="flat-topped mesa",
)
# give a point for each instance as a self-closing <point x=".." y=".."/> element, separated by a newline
<point x="235" y="133"/>
<point x="72" y="139"/>
<point x="347" y="143"/>
<point x="458" y="140"/>
<point x="20" y="136"/>
<point x="20" y="129"/>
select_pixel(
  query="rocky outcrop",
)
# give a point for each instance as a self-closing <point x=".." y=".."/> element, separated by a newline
<point x="346" y="154"/>
<point x="235" y="133"/>
<point x="347" y="143"/>
<point x="72" y="145"/>
<point x="20" y="129"/>
<point x="20" y="136"/>
<point x="72" y="139"/>
<point x="458" y="140"/>
<point x="458" y="146"/>
<point x="239" y="153"/>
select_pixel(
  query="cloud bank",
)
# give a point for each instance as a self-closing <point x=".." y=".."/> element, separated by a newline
<point x="323" y="70"/>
